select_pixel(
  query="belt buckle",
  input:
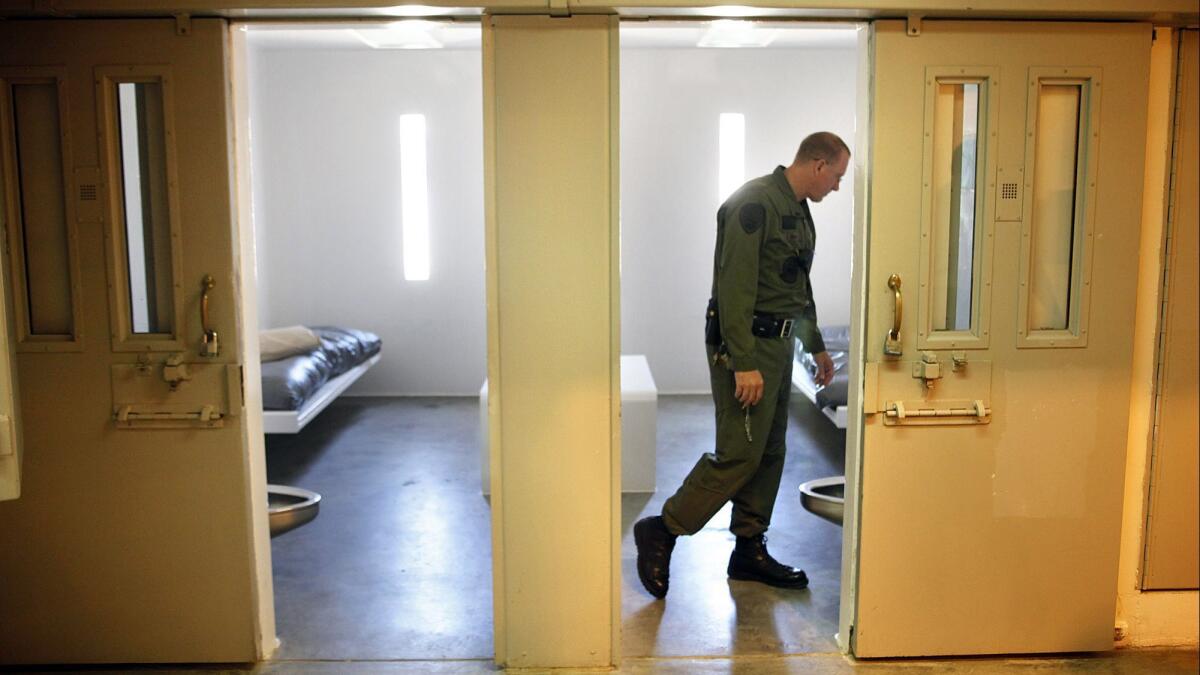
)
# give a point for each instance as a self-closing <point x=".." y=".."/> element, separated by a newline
<point x="786" y="330"/>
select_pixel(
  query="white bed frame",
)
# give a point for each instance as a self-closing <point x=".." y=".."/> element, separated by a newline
<point x="804" y="382"/>
<point x="292" y="421"/>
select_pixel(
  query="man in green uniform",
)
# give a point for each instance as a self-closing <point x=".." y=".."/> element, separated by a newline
<point x="761" y="298"/>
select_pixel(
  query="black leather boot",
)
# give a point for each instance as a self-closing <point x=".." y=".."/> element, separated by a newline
<point x="751" y="562"/>
<point x="654" y="546"/>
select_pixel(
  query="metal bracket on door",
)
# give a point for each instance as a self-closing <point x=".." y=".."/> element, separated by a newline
<point x="175" y="394"/>
<point x="928" y="369"/>
<point x="183" y="24"/>
<point x="913" y="25"/>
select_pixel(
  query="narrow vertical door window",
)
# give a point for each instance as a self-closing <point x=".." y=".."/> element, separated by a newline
<point x="955" y="176"/>
<point x="1055" y="206"/>
<point x="147" y="227"/>
<point x="44" y="247"/>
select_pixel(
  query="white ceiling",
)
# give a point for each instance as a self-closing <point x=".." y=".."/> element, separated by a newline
<point x="634" y="35"/>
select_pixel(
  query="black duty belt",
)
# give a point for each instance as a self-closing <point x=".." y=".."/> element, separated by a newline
<point x="767" y="326"/>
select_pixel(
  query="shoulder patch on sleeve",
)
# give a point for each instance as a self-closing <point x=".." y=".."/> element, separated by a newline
<point x="752" y="216"/>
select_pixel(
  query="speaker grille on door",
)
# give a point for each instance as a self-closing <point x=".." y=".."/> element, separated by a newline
<point x="1008" y="191"/>
<point x="87" y="193"/>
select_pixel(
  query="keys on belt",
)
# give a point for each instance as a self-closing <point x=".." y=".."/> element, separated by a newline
<point x="770" y="327"/>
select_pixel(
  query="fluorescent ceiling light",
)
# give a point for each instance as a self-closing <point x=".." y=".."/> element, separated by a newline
<point x="418" y="10"/>
<point x="412" y="34"/>
<point x="735" y="11"/>
<point x="729" y="33"/>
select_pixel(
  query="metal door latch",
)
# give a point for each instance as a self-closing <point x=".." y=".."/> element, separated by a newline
<point x="175" y="371"/>
<point x="960" y="361"/>
<point x="928" y="369"/>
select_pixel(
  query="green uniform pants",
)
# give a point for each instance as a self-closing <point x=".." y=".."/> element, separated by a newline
<point x="746" y="471"/>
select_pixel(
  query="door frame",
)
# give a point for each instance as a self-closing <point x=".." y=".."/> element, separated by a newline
<point x="852" y="500"/>
<point x="247" y="273"/>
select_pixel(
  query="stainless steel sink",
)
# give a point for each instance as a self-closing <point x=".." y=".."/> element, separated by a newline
<point x="290" y="507"/>
<point x="825" y="497"/>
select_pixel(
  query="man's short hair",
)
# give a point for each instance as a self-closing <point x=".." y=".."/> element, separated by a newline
<point x="821" y="145"/>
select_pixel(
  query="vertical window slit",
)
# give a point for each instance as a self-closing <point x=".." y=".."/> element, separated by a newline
<point x="1055" y="206"/>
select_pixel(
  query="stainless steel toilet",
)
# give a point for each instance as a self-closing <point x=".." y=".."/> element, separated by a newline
<point x="290" y="507"/>
<point x="825" y="497"/>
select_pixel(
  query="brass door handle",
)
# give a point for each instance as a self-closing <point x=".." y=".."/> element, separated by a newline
<point x="208" y="343"/>
<point x="891" y="342"/>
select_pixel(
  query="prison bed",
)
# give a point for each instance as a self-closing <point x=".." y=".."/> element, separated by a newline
<point x="307" y="373"/>
<point x="830" y="399"/>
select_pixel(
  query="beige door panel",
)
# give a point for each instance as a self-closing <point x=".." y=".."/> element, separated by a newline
<point x="1172" y="555"/>
<point x="992" y="471"/>
<point x="132" y="539"/>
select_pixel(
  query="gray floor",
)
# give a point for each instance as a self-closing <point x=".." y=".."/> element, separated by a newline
<point x="398" y="564"/>
<point x="706" y="614"/>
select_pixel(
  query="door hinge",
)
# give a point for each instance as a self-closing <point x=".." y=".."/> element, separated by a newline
<point x="913" y="25"/>
<point x="559" y="8"/>
<point x="183" y="24"/>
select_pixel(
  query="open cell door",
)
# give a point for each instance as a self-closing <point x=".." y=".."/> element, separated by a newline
<point x="132" y="539"/>
<point x="1004" y="207"/>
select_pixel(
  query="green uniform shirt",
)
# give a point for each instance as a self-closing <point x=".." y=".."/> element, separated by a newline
<point x="765" y="244"/>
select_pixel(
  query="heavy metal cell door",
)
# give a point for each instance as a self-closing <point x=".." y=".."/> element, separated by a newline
<point x="1004" y="205"/>
<point x="131" y="540"/>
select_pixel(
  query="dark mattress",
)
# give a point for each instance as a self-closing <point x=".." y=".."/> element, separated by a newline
<point x="837" y="343"/>
<point x="289" y="383"/>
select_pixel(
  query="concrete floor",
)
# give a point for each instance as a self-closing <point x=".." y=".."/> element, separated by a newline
<point x="398" y="564"/>
<point x="706" y="614"/>
<point x="394" y="576"/>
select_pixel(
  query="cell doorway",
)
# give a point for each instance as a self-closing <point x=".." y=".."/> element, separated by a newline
<point x="705" y="107"/>
<point x="366" y="152"/>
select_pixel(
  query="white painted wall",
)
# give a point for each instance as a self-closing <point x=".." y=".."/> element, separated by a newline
<point x="670" y="103"/>
<point x="326" y="198"/>
<point x="326" y="188"/>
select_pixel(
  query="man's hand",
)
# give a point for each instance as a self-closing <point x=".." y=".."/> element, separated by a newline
<point x="824" y="373"/>
<point x="749" y="386"/>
